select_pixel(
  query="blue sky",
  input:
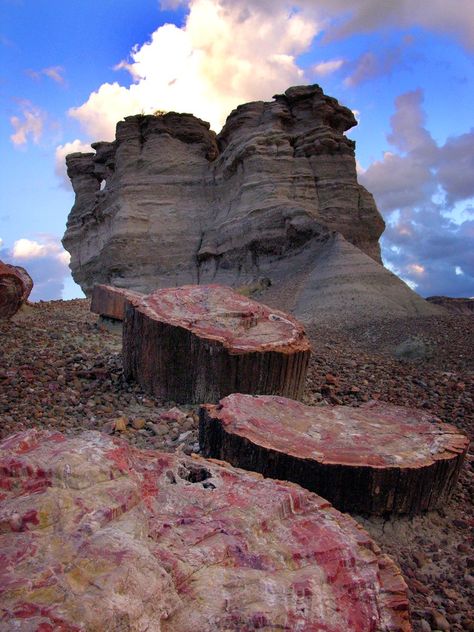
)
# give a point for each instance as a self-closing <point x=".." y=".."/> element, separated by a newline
<point x="70" y="70"/>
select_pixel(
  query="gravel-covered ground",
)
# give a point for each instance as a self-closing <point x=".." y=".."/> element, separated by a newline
<point x="59" y="370"/>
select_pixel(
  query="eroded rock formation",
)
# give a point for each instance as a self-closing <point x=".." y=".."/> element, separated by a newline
<point x="262" y="205"/>
<point x="198" y="343"/>
<point x="15" y="287"/>
<point x="377" y="459"/>
<point x="96" y="535"/>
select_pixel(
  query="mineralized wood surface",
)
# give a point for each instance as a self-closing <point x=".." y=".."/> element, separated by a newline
<point x="378" y="458"/>
<point x="198" y="343"/>
<point x="98" y="536"/>
<point x="111" y="301"/>
<point x="15" y="287"/>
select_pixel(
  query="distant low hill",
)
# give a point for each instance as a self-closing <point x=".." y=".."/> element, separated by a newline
<point x="456" y="305"/>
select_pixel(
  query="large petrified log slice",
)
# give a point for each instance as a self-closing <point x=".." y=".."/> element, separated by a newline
<point x="198" y="343"/>
<point x="110" y="302"/>
<point x="15" y="287"/>
<point x="378" y="458"/>
<point x="96" y="535"/>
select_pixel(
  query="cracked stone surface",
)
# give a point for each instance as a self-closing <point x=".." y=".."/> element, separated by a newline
<point x="96" y="535"/>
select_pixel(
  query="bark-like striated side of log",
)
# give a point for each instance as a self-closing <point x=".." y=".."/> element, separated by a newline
<point x="201" y="343"/>
<point x="15" y="287"/>
<point x="110" y="302"/>
<point x="376" y="487"/>
<point x="176" y="364"/>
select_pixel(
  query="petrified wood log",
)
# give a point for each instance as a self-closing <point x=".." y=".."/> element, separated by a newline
<point x="375" y="459"/>
<point x="198" y="343"/>
<point x="15" y="287"/>
<point x="97" y="535"/>
<point x="110" y="302"/>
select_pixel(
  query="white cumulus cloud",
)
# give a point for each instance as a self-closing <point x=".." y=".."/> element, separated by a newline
<point x="346" y="17"/>
<point x="46" y="262"/>
<point x="324" y="68"/>
<point x="221" y="57"/>
<point x="27" y="249"/>
<point x="29" y="125"/>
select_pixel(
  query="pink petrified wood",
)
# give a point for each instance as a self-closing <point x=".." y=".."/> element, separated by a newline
<point x="98" y="536"/>
<point x="198" y="343"/>
<point x="111" y="302"/>
<point x="15" y="287"/>
<point x="377" y="459"/>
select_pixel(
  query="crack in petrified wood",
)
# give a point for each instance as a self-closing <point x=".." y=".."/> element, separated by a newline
<point x="378" y="458"/>
<point x="135" y="540"/>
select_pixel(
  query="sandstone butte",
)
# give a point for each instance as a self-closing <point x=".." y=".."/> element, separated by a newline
<point x="198" y="343"/>
<point x="98" y="536"/>
<point x="375" y="459"/>
<point x="15" y="287"/>
<point x="270" y="205"/>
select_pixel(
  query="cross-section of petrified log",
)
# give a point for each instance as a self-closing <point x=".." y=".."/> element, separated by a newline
<point x="15" y="287"/>
<point x="96" y="535"/>
<point x="111" y="301"/>
<point x="198" y="343"/>
<point x="378" y="458"/>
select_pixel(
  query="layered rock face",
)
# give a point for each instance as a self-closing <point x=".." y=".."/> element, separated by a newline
<point x="253" y="207"/>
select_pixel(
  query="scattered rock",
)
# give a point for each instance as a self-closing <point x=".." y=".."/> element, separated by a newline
<point x="138" y="423"/>
<point x="173" y="414"/>
<point x="439" y="621"/>
<point x="120" y="424"/>
<point x="56" y="339"/>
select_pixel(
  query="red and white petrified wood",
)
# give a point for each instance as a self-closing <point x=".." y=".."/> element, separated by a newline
<point x="15" y="287"/>
<point x="96" y="535"/>
<point x="198" y="343"/>
<point x="110" y="302"/>
<point x="375" y="459"/>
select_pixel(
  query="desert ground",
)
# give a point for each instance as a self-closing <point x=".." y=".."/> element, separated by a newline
<point x="60" y="370"/>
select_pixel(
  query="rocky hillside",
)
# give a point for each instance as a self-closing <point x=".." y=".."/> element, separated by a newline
<point x="270" y="205"/>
